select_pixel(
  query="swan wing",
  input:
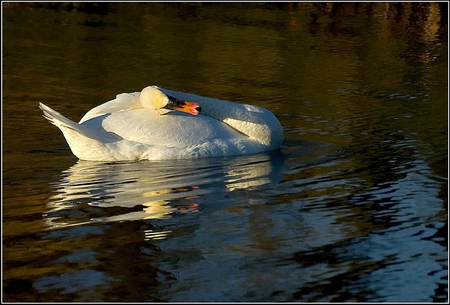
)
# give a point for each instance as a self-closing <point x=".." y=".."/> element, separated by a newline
<point x="122" y="102"/>
<point x="175" y="129"/>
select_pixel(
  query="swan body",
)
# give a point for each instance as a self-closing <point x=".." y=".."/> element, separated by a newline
<point x="141" y="126"/>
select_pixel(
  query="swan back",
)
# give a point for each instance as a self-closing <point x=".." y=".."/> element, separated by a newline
<point x="256" y="122"/>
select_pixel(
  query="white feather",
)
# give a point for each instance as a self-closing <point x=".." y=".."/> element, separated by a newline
<point x="122" y="129"/>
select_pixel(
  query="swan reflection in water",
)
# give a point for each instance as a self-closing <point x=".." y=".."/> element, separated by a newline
<point x="91" y="192"/>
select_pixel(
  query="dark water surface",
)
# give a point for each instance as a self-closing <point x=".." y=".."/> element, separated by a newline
<point x="353" y="208"/>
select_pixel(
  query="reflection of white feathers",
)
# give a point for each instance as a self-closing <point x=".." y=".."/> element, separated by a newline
<point x="160" y="188"/>
<point x="131" y="127"/>
<point x="248" y="176"/>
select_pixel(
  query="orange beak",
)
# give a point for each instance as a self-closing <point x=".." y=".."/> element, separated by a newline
<point x="185" y="106"/>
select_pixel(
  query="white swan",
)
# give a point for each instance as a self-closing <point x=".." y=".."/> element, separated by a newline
<point x="143" y="126"/>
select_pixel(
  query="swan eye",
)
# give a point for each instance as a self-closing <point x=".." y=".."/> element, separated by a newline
<point x="170" y="105"/>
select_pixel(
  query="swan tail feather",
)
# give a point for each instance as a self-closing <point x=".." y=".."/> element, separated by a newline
<point x="67" y="125"/>
<point x="85" y="143"/>
<point x="58" y="119"/>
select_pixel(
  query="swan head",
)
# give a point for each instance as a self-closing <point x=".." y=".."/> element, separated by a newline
<point x="154" y="99"/>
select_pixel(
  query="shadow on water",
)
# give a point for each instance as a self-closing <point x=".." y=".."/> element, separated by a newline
<point x="281" y="226"/>
<point x="119" y="212"/>
<point x="90" y="192"/>
<point x="146" y="190"/>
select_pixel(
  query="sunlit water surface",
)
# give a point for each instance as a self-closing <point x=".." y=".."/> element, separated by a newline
<point x="353" y="207"/>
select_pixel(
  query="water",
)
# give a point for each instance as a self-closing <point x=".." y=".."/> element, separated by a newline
<point x="353" y="208"/>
